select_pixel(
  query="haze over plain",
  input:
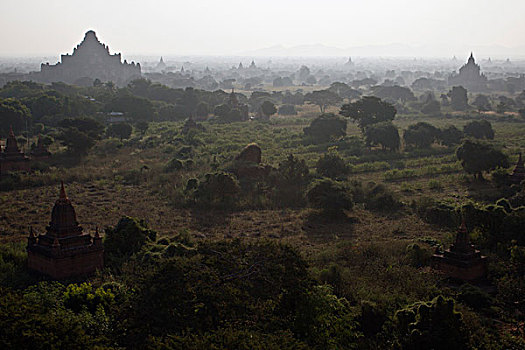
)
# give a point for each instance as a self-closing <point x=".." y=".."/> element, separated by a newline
<point x="271" y="27"/>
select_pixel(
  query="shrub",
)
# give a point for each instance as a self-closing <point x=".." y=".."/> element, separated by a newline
<point x="432" y="325"/>
<point x="479" y="129"/>
<point x="78" y="297"/>
<point x="287" y="110"/>
<point x="330" y="196"/>
<point x="326" y="127"/>
<point x="380" y="198"/>
<point x="332" y="165"/>
<point x="126" y="239"/>
<point x="219" y="190"/>
<point x="291" y="179"/>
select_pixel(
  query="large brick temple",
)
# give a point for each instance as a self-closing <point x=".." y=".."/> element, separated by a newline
<point x="462" y="260"/>
<point x="64" y="250"/>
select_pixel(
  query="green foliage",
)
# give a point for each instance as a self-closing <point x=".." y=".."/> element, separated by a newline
<point x="326" y="321"/>
<point x="379" y="198"/>
<point x="14" y="114"/>
<point x="174" y="165"/>
<point x="450" y="136"/>
<point x="268" y="108"/>
<point x="332" y="165"/>
<point x="322" y="98"/>
<point x="136" y="108"/>
<point x="369" y="110"/>
<point x="384" y="134"/>
<point x="344" y="91"/>
<point x="28" y="325"/>
<point x="479" y="129"/>
<point x="292" y="178"/>
<point x="394" y="93"/>
<point x="218" y="190"/>
<point x="458" y="98"/>
<point x="287" y="109"/>
<point x="126" y="239"/>
<point x="482" y="103"/>
<point x="76" y="141"/>
<point x="433" y="325"/>
<point x="474" y="297"/>
<point x="431" y="107"/>
<point x="230" y="338"/>
<point x="13" y="265"/>
<point x="417" y="256"/>
<point x="372" y="318"/>
<point x="330" y="196"/>
<point x="420" y="135"/>
<point x="223" y="283"/>
<point x="84" y="296"/>
<point x="478" y="157"/>
<point x="326" y="127"/>
<point x="142" y="126"/>
<point x="119" y="130"/>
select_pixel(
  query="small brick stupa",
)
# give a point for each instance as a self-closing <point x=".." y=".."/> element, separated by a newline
<point x="12" y="159"/>
<point x="64" y="251"/>
<point x="461" y="261"/>
<point x="518" y="174"/>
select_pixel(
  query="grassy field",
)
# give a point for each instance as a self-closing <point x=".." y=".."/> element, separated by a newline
<point x="129" y="179"/>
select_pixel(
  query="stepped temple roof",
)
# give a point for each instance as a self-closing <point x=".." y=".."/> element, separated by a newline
<point x="64" y="250"/>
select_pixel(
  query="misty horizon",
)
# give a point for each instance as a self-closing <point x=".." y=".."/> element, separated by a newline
<point x="264" y="29"/>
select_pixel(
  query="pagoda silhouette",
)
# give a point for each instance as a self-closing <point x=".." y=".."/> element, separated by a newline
<point x="462" y="261"/>
<point x="64" y="250"/>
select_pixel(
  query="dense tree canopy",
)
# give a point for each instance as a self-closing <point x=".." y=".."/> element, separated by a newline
<point x="384" y="134"/>
<point x="478" y="157"/>
<point x="458" y="98"/>
<point x="326" y="127"/>
<point x="369" y="110"/>
<point x="479" y="129"/>
<point x="421" y="135"/>
<point x="323" y="98"/>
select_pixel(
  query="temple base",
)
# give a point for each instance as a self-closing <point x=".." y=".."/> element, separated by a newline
<point x="466" y="269"/>
<point x="84" y="262"/>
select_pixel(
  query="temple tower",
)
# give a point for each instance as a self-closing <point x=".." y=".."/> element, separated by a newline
<point x="64" y="250"/>
<point x="462" y="260"/>
<point x="12" y="159"/>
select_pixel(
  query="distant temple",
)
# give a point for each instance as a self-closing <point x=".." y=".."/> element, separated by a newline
<point x="461" y="261"/>
<point x="90" y="60"/>
<point x="64" y="250"/>
<point x="11" y="158"/>
<point x="518" y="174"/>
<point x="470" y="76"/>
<point x="40" y="151"/>
<point x="161" y="65"/>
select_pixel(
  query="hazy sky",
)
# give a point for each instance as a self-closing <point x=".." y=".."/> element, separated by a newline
<point x="230" y="27"/>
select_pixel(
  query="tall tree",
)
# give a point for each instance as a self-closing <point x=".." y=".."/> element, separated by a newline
<point x="268" y="109"/>
<point x="14" y="114"/>
<point x="369" y="110"/>
<point x="326" y="127"/>
<point x="384" y="134"/>
<point x="458" y="98"/>
<point x="323" y="98"/>
<point x="478" y="157"/>
<point x="480" y="129"/>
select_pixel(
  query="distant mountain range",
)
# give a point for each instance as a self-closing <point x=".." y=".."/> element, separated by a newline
<point x="390" y="50"/>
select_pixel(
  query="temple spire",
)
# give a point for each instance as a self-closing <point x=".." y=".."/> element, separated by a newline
<point x="63" y="194"/>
